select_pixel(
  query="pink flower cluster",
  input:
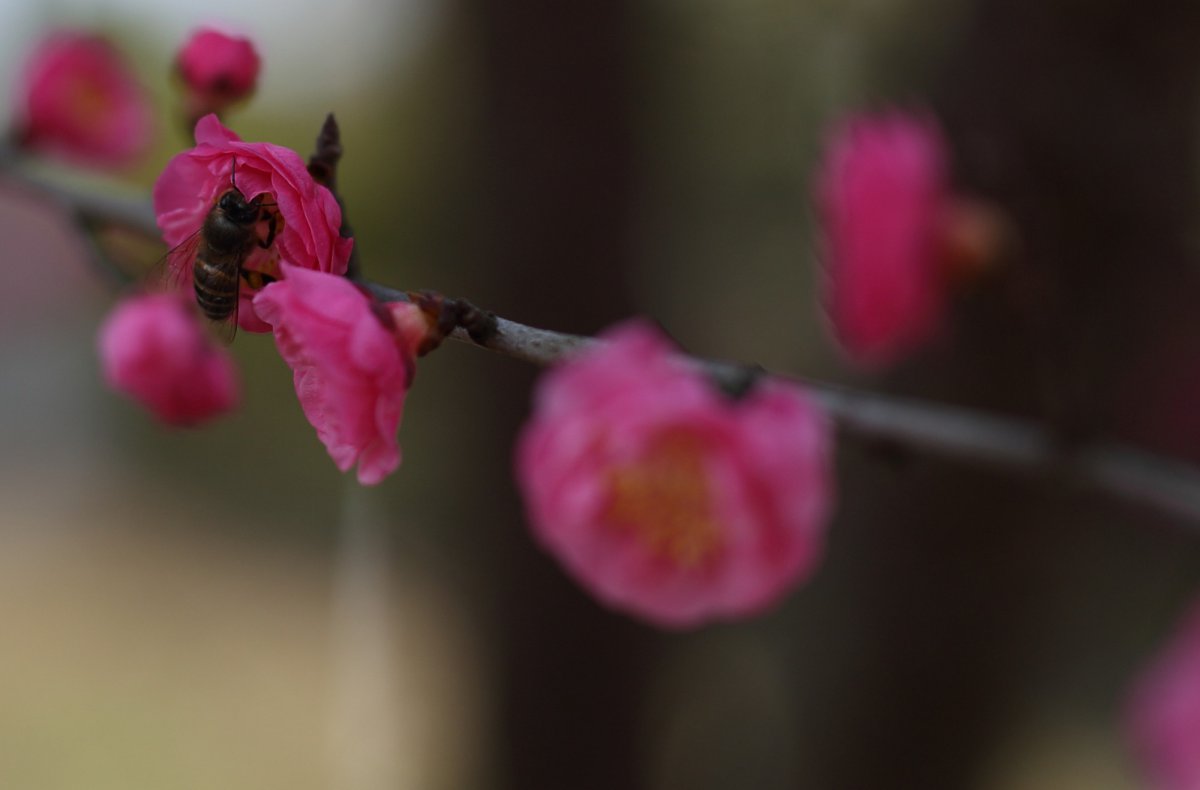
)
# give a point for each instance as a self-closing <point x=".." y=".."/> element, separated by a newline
<point x="665" y="498"/>
<point x="353" y="359"/>
<point x="896" y="236"/>
<point x="80" y="101"/>
<point x="1164" y="712"/>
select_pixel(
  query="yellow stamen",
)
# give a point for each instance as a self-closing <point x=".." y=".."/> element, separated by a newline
<point x="663" y="498"/>
<point x="90" y="102"/>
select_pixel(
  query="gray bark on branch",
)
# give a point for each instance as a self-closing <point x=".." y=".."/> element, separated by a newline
<point x="948" y="432"/>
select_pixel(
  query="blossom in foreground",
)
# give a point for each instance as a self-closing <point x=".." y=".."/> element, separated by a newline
<point x="665" y="498"/>
<point x="895" y="235"/>
<point x="353" y="361"/>
<point x="1164" y="712"/>
<point x="154" y="348"/>
<point x="79" y="101"/>
<point x="217" y="69"/>
<point x="308" y="218"/>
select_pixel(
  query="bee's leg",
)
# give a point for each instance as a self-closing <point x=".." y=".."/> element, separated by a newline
<point x="256" y="280"/>
<point x="271" y="227"/>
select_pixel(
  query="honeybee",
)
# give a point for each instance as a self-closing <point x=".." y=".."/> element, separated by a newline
<point x="215" y="256"/>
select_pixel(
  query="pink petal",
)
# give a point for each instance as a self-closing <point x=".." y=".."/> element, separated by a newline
<point x="763" y="466"/>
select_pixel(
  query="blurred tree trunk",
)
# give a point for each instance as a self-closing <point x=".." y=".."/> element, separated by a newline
<point x="1079" y="118"/>
<point x="968" y="589"/>
<point x="556" y="133"/>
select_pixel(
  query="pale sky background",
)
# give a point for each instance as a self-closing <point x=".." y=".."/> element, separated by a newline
<point x="362" y="35"/>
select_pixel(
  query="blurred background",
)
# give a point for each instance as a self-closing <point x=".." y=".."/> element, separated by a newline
<point x="221" y="608"/>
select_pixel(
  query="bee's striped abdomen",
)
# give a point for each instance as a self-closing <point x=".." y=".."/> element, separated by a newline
<point x="216" y="284"/>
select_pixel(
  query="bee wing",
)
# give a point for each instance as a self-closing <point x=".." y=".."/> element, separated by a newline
<point x="173" y="271"/>
<point x="225" y="330"/>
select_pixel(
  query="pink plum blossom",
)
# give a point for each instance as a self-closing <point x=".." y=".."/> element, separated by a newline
<point x="1164" y="712"/>
<point x="79" y="101"/>
<point x="154" y="348"/>
<point x="213" y="61"/>
<point x="353" y="361"/>
<point x="664" y="497"/>
<point x="882" y="194"/>
<point x="217" y="69"/>
<point x="307" y="214"/>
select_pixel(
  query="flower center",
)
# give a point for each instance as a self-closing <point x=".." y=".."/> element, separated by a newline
<point x="663" y="498"/>
<point x="89" y="101"/>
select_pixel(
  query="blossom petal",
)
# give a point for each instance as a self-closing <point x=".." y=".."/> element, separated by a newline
<point x="351" y="373"/>
<point x="664" y="498"/>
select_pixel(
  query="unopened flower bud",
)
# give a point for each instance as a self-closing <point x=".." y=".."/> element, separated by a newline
<point x="154" y="348"/>
<point x="218" y="69"/>
<point x="897" y="237"/>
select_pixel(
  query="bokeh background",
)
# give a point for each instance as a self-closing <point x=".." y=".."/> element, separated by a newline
<point x="221" y="608"/>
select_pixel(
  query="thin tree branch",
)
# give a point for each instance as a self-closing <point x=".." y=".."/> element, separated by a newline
<point x="949" y="432"/>
<point x="1021" y="446"/>
<point x="99" y="206"/>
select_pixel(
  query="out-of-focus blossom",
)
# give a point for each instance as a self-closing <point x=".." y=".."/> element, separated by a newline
<point x="217" y="69"/>
<point x="308" y="218"/>
<point x="155" y="349"/>
<point x="665" y="498"/>
<point x="79" y="101"/>
<point x="353" y="361"/>
<point x="1164" y="712"/>
<point x="896" y="237"/>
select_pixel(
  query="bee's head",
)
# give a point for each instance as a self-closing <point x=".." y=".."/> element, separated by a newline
<point x="235" y="206"/>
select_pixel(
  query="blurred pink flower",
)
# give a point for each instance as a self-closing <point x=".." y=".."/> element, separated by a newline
<point x="217" y="68"/>
<point x="308" y="216"/>
<point x="353" y="361"/>
<point x="1164" y="712"/>
<point x="79" y="101"/>
<point x="155" y="349"/>
<point x="665" y="498"/>
<point x="882" y="194"/>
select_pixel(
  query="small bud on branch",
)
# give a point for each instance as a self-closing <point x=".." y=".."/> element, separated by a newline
<point x="322" y="166"/>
